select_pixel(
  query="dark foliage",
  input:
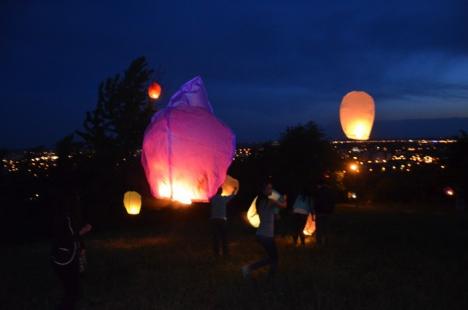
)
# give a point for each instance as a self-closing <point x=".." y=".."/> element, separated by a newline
<point x="458" y="162"/>
<point x="115" y="127"/>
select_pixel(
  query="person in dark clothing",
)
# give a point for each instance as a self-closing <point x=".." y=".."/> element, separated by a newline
<point x="218" y="221"/>
<point x="65" y="250"/>
<point x="265" y="232"/>
<point x="324" y="205"/>
<point x="303" y="205"/>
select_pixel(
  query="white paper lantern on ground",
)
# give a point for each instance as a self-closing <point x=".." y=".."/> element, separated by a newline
<point x="132" y="202"/>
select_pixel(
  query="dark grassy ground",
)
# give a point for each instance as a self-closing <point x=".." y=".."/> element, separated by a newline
<point x="376" y="260"/>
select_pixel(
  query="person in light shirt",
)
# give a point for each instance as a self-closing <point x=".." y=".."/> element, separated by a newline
<point x="265" y="232"/>
<point x="218" y="222"/>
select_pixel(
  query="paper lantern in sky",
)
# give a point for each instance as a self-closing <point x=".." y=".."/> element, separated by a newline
<point x="186" y="149"/>
<point x="252" y="215"/>
<point x="154" y="90"/>
<point x="357" y="112"/>
<point x="309" y="228"/>
<point x="132" y="202"/>
<point x="230" y="185"/>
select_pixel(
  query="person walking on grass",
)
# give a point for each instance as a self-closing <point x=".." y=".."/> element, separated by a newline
<point x="265" y="232"/>
<point x="219" y="222"/>
<point x="301" y="209"/>
<point x="323" y="207"/>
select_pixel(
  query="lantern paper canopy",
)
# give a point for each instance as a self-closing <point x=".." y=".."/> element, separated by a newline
<point x="230" y="186"/>
<point x="132" y="202"/>
<point x="357" y="112"/>
<point x="154" y="90"/>
<point x="186" y="149"/>
<point x="252" y="215"/>
<point x="309" y="228"/>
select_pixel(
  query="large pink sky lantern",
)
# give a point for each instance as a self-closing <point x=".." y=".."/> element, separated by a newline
<point x="186" y="149"/>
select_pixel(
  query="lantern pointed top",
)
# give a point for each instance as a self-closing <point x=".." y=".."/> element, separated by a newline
<point x="192" y="94"/>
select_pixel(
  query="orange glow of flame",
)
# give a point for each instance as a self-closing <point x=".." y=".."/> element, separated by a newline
<point x="359" y="131"/>
<point x="180" y="192"/>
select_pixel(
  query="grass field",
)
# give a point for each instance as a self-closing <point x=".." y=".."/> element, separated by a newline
<point x="376" y="260"/>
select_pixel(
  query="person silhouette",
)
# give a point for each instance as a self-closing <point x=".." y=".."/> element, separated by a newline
<point x="265" y="232"/>
<point x="219" y="221"/>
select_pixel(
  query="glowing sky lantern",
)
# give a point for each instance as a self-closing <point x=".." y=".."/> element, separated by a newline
<point x="230" y="186"/>
<point x="252" y="215"/>
<point x="309" y="228"/>
<point x="132" y="202"/>
<point x="357" y="112"/>
<point x="154" y="90"/>
<point x="186" y="149"/>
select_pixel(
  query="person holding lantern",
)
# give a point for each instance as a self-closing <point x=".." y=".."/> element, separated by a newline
<point x="218" y="221"/>
<point x="265" y="232"/>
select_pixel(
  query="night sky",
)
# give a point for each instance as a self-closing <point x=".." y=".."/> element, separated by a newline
<point x="266" y="64"/>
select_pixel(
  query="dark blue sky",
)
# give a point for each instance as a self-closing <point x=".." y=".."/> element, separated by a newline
<point x="266" y="64"/>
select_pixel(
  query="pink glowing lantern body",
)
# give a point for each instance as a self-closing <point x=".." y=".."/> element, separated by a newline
<point x="186" y="149"/>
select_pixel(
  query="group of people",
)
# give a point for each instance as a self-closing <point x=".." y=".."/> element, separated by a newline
<point x="68" y="252"/>
<point x="318" y="201"/>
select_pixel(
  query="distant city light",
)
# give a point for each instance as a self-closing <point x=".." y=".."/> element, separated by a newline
<point x="354" y="167"/>
<point x="449" y="191"/>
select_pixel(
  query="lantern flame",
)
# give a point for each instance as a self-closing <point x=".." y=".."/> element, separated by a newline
<point x="180" y="193"/>
<point x="359" y="131"/>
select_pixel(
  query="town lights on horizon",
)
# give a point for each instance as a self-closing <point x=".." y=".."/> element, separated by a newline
<point x="186" y="149"/>
<point x="357" y="113"/>
<point x="132" y="202"/>
<point x="154" y="90"/>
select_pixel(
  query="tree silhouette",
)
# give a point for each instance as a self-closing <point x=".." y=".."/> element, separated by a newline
<point x="458" y="161"/>
<point x="304" y="155"/>
<point x="299" y="159"/>
<point x="115" y="127"/>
